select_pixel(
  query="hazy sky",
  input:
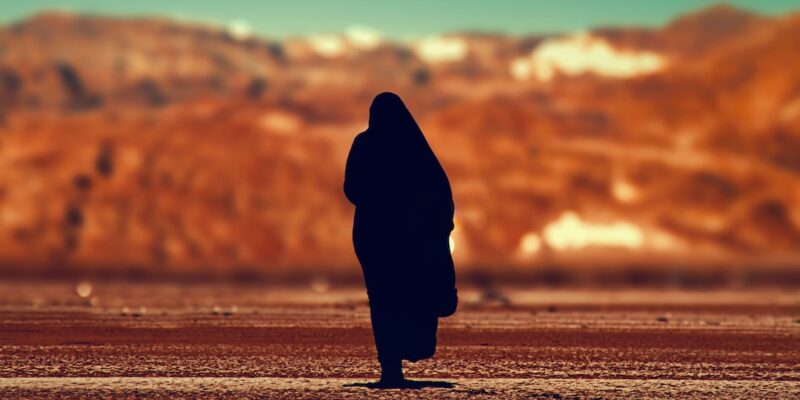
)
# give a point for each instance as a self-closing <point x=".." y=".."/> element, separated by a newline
<point x="402" y="18"/>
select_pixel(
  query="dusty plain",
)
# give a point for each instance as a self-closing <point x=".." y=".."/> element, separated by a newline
<point x="169" y="340"/>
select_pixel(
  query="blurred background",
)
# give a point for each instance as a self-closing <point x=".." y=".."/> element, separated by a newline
<point x="628" y="142"/>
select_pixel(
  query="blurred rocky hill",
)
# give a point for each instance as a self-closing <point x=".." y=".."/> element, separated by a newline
<point x="166" y="147"/>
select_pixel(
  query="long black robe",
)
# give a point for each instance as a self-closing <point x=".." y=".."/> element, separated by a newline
<point x="403" y="219"/>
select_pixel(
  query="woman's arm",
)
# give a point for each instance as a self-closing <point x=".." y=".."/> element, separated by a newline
<point x="353" y="172"/>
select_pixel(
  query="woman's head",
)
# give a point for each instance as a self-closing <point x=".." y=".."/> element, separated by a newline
<point x="397" y="135"/>
<point x="388" y="112"/>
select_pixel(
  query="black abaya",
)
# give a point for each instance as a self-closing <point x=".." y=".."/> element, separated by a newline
<point x="404" y="215"/>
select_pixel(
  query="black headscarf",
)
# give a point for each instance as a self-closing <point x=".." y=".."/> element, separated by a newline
<point x="392" y="165"/>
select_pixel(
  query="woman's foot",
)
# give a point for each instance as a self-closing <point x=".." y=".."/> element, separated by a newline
<point x="392" y="374"/>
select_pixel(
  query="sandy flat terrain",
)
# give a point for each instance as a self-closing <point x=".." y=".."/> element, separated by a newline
<point x="224" y="341"/>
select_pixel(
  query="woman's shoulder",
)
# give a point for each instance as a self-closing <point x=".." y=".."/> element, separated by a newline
<point x="361" y="136"/>
<point x="361" y="139"/>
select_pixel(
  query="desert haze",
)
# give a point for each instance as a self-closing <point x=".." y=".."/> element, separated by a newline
<point x="164" y="147"/>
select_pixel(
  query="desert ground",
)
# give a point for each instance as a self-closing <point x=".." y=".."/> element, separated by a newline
<point x="64" y="339"/>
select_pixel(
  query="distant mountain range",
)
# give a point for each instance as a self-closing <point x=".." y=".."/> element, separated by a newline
<point x="156" y="146"/>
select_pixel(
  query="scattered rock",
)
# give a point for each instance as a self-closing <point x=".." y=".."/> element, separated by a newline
<point x="83" y="289"/>
<point x="103" y="163"/>
<point x="83" y="182"/>
<point x="231" y="311"/>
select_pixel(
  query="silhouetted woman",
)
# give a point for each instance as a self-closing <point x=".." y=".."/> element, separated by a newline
<point x="403" y="219"/>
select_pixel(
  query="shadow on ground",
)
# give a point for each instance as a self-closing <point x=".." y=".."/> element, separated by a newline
<point x="406" y="384"/>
